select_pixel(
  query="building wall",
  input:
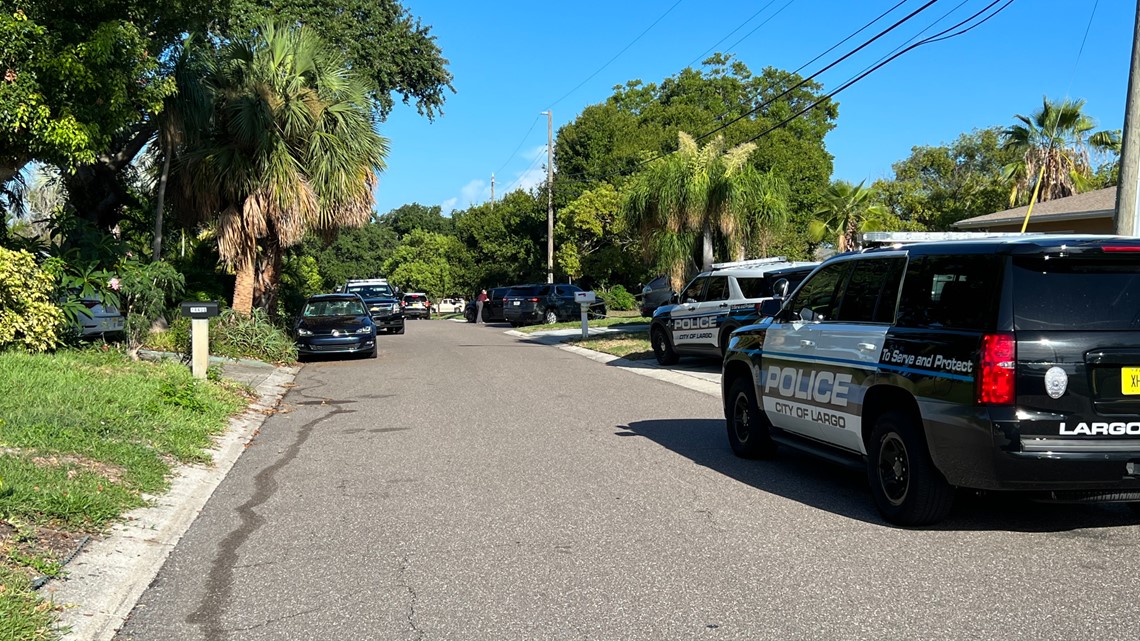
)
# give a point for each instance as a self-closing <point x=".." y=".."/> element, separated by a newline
<point x="1084" y="226"/>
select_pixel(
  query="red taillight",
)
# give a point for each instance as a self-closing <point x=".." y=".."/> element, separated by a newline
<point x="533" y="300"/>
<point x="998" y="361"/>
<point x="1120" y="248"/>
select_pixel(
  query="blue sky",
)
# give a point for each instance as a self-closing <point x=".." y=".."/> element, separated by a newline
<point x="512" y="60"/>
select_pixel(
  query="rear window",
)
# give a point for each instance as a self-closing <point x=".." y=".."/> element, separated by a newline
<point x="415" y="297"/>
<point x="371" y="291"/>
<point x="1076" y="293"/>
<point x="754" y="287"/>
<point x="958" y="292"/>
<point x="528" y="290"/>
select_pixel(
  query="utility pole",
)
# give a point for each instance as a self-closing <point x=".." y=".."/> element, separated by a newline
<point x="550" y="194"/>
<point x="492" y="192"/>
<point x="1127" y="222"/>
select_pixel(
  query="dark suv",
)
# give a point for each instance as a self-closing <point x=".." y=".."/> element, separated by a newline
<point x="1000" y="364"/>
<point x="382" y="301"/>
<point x="546" y="303"/>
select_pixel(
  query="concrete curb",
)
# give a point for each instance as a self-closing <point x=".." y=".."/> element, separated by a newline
<point x="651" y="370"/>
<point x="103" y="584"/>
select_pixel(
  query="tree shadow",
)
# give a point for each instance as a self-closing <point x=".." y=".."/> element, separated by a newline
<point x="827" y="486"/>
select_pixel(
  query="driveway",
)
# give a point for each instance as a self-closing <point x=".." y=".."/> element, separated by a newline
<point x="471" y="485"/>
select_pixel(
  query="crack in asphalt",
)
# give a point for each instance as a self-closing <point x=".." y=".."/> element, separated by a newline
<point x="219" y="583"/>
<point x="412" y="598"/>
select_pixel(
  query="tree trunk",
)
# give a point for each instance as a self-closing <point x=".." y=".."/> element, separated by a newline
<point x="156" y="248"/>
<point x="707" y="249"/>
<point x="243" y="286"/>
<point x="265" y="287"/>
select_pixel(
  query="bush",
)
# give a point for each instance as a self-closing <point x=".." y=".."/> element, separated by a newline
<point x="175" y="339"/>
<point x="254" y="336"/>
<point x="617" y="298"/>
<point x="28" y="318"/>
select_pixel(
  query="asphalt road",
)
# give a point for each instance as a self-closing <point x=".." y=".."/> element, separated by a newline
<point x="470" y="485"/>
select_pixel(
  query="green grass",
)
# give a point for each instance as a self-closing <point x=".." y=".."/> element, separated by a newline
<point x="632" y="345"/>
<point x="613" y="320"/>
<point x="84" y="435"/>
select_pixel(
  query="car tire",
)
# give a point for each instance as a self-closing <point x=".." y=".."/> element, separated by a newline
<point x="663" y="348"/>
<point x="550" y="316"/>
<point x="907" y="488"/>
<point x="749" y="431"/>
<point x="374" y="353"/>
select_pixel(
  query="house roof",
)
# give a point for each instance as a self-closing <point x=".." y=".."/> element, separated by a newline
<point x="1093" y="204"/>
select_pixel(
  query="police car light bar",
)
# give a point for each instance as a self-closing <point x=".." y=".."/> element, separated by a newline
<point x="756" y="262"/>
<point x="894" y="237"/>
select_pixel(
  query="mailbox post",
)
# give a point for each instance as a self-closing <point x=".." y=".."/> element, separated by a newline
<point x="199" y="315"/>
<point x="585" y="299"/>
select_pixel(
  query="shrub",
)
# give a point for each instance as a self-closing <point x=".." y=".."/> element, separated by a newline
<point x="28" y="318"/>
<point x="145" y="288"/>
<point x="617" y="298"/>
<point x="254" y="336"/>
<point x="175" y="339"/>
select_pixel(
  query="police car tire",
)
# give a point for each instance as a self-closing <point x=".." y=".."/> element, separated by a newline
<point x="662" y="348"/>
<point x="925" y="497"/>
<point x="753" y="439"/>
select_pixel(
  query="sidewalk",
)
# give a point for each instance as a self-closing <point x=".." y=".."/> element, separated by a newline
<point x="104" y="582"/>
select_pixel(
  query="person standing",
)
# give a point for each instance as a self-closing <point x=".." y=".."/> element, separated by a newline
<point x="479" y="302"/>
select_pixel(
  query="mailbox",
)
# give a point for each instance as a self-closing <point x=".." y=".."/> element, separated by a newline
<point x="585" y="298"/>
<point x="207" y="309"/>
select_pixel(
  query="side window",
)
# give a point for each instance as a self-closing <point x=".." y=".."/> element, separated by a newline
<point x="567" y="290"/>
<point x="717" y="289"/>
<point x="754" y="287"/>
<point x="692" y="293"/>
<point x="816" y="299"/>
<point x="950" y="291"/>
<point x="872" y="291"/>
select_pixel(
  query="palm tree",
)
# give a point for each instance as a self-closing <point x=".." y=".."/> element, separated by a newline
<point x="847" y="211"/>
<point x="291" y="146"/>
<point x="706" y="194"/>
<point x="1054" y="147"/>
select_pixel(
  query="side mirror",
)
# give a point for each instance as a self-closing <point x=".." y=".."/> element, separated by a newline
<point x="770" y="307"/>
<point x="780" y="289"/>
<point x="673" y="298"/>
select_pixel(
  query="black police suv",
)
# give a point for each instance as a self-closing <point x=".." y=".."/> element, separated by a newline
<point x="383" y="303"/>
<point x="335" y="324"/>
<point x="1002" y="364"/>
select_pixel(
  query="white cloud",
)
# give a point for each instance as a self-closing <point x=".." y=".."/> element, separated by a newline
<point x="448" y="205"/>
<point x="475" y="191"/>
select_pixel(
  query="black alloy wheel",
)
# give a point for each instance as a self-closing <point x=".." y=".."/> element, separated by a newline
<point x="907" y="488"/>
<point x="662" y="348"/>
<point x="748" y="428"/>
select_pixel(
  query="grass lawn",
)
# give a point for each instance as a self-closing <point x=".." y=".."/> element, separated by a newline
<point x="84" y="436"/>
<point x="632" y="345"/>
<point x="614" y="318"/>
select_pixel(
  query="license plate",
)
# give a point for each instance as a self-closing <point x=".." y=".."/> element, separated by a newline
<point x="1130" y="380"/>
<point x="515" y="303"/>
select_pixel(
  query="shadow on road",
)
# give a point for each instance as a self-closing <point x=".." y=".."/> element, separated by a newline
<point x="826" y="486"/>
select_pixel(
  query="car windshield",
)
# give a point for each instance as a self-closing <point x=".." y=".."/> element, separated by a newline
<point x="371" y="291"/>
<point x="334" y="307"/>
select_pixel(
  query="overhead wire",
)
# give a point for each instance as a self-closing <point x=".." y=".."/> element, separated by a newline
<point x="729" y="34"/>
<point x="519" y="146"/>
<point x="518" y="181"/>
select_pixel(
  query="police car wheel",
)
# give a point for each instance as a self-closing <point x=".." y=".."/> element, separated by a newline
<point x="662" y="348"/>
<point x="747" y="426"/>
<point x="907" y="488"/>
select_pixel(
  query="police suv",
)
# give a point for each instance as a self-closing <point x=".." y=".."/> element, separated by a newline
<point x="992" y="364"/>
<point x="717" y="302"/>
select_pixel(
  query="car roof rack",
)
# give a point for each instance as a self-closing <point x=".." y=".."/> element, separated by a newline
<point x="878" y="238"/>
<point x="756" y="262"/>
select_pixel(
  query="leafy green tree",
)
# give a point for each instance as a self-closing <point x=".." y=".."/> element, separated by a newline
<point x="507" y="242"/>
<point x="699" y="198"/>
<point x="407" y="218"/>
<point x="291" y="147"/>
<point x="355" y="252"/>
<point x="28" y="319"/>
<point x="588" y="225"/>
<point x="937" y="186"/>
<point x="848" y="211"/>
<point x="1053" y="148"/>
<point x="431" y="263"/>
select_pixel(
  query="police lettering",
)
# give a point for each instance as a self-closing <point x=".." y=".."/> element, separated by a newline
<point x="702" y="322"/>
<point x="1101" y="429"/>
<point x="821" y="387"/>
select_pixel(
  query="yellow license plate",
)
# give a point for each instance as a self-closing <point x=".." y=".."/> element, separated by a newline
<point x="1130" y="380"/>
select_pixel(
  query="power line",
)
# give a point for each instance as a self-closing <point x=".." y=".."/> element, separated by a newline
<point x="726" y="37"/>
<point x="618" y="54"/>
<point x="518" y="181"/>
<point x="516" y="151"/>
<point x="747" y="35"/>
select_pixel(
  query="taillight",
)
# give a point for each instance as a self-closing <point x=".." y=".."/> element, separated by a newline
<point x="533" y="300"/>
<point x="998" y="361"/>
<point x="1120" y="248"/>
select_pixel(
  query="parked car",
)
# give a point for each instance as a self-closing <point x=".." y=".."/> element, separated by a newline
<point x="450" y="306"/>
<point x="655" y="294"/>
<point x="416" y="305"/>
<point x="715" y="304"/>
<point x="492" y="309"/>
<point x="546" y="303"/>
<point x="99" y="320"/>
<point x="335" y="324"/>
<point x="382" y="301"/>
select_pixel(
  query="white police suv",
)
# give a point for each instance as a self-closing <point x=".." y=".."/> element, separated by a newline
<point x="1006" y="364"/>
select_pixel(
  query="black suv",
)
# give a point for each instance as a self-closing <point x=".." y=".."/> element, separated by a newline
<point x="546" y="303"/>
<point x="1000" y="364"/>
<point x="492" y="309"/>
<point x="383" y="303"/>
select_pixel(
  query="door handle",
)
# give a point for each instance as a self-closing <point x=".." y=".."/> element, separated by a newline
<point x="724" y="305"/>
<point x="807" y="343"/>
<point x="866" y="346"/>
<point x="692" y="307"/>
